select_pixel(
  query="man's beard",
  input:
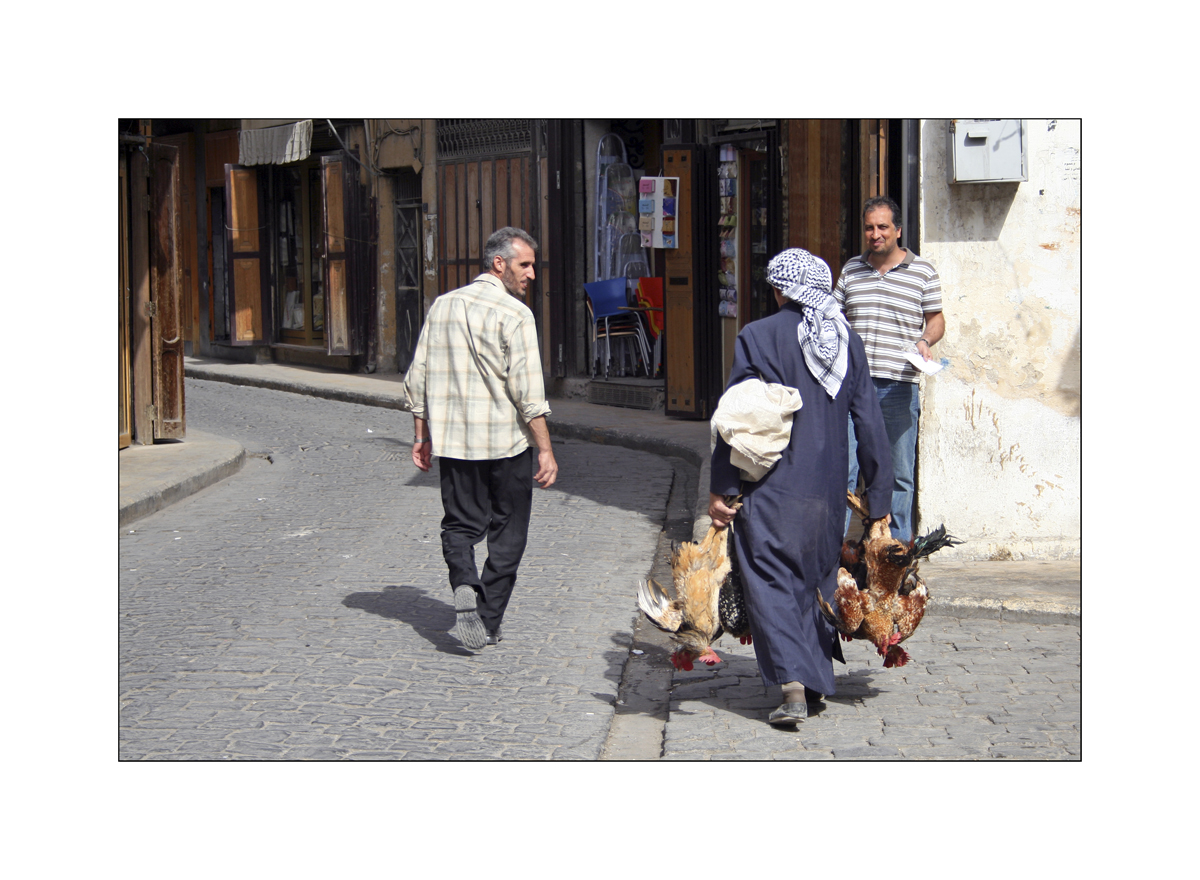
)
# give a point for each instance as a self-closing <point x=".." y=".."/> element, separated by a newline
<point x="511" y="284"/>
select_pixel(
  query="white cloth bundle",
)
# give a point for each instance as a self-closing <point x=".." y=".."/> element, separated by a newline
<point x="755" y="418"/>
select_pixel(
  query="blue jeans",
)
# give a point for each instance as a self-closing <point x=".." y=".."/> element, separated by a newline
<point x="901" y="406"/>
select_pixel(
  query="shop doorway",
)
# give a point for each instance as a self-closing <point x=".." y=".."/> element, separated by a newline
<point x="300" y="258"/>
<point x="747" y="233"/>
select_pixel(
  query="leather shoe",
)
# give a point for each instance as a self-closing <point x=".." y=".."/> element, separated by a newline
<point x="788" y="715"/>
<point x="494" y="637"/>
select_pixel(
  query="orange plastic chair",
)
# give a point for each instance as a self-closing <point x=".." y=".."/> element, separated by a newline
<point x="649" y="293"/>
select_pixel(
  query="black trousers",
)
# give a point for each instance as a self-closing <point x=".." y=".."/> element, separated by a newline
<point x="489" y="498"/>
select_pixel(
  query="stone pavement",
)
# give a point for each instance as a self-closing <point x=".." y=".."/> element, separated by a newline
<point x="974" y="688"/>
<point x="321" y="653"/>
<point x="300" y="610"/>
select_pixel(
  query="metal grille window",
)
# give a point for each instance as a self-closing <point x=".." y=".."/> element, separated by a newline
<point x="466" y="138"/>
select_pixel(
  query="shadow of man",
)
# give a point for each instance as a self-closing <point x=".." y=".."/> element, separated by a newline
<point x="430" y="618"/>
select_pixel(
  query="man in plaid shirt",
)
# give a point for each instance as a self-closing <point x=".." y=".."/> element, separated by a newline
<point x="476" y="393"/>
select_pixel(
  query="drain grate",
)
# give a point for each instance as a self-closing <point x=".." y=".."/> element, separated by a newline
<point x="624" y="395"/>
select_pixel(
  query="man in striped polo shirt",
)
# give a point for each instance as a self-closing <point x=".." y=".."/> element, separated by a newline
<point x="893" y="300"/>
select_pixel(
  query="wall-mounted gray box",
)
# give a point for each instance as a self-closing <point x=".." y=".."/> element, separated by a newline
<point x="986" y="151"/>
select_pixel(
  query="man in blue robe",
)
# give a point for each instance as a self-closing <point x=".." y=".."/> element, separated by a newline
<point x="788" y="534"/>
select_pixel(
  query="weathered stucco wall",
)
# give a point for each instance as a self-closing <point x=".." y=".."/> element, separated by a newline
<point x="999" y="459"/>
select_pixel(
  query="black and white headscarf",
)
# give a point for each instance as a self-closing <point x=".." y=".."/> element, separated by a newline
<point x="823" y="332"/>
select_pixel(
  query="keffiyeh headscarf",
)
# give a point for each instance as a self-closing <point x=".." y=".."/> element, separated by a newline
<point x="823" y="332"/>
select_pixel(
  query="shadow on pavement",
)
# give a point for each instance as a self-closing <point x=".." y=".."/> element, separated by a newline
<point x="737" y="688"/>
<point x="430" y="618"/>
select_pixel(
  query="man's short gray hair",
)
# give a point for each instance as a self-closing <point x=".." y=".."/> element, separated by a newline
<point x="500" y="244"/>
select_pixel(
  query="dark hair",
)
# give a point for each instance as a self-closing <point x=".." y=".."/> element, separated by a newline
<point x="500" y="244"/>
<point x="883" y="202"/>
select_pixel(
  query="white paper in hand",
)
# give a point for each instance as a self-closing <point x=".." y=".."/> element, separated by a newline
<point x="929" y="368"/>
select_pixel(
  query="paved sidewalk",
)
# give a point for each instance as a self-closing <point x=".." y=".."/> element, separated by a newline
<point x="152" y="477"/>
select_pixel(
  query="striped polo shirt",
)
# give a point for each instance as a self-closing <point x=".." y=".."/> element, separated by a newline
<point x="888" y="311"/>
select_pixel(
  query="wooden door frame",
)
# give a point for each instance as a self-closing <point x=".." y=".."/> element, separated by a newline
<point x="124" y="377"/>
<point x="166" y="284"/>
<point x="141" y="360"/>
<point x="565" y="243"/>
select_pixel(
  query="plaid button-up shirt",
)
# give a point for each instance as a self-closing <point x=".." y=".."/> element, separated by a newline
<point x="476" y="377"/>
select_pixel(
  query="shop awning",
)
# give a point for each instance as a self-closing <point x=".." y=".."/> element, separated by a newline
<point x="275" y="145"/>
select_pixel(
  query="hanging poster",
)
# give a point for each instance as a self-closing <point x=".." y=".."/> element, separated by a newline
<point x="657" y="210"/>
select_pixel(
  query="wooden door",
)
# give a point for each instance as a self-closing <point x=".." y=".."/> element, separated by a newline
<point x="348" y="246"/>
<point x="488" y="178"/>
<point x="124" y="383"/>
<point x="141" y="368"/>
<point x="189" y="303"/>
<point x="478" y="197"/>
<point x="691" y="322"/>
<point x="248" y="254"/>
<point x="165" y="291"/>
<point x="834" y="166"/>
<point x="820" y="209"/>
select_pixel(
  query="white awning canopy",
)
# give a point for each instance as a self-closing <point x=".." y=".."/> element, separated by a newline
<point x="275" y="145"/>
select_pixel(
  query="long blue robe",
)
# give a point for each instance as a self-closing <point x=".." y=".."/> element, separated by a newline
<point x="788" y="533"/>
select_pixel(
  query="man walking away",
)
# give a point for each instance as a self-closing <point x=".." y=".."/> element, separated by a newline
<point x="477" y="397"/>
<point x="893" y="300"/>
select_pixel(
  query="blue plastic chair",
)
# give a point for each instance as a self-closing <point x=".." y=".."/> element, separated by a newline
<point x="605" y="302"/>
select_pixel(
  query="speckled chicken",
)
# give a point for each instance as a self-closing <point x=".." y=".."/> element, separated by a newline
<point x="879" y="596"/>
<point x="703" y="601"/>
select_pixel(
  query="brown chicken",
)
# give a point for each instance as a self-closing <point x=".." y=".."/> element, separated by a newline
<point x="704" y="599"/>
<point x="879" y="596"/>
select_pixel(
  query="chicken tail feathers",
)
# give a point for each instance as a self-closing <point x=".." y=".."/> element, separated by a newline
<point x="830" y="615"/>
<point x="926" y="545"/>
<point x="659" y="608"/>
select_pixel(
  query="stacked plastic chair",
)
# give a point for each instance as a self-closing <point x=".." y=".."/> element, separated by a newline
<point x="610" y="151"/>
<point x="606" y="305"/>
<point x="649" y="295"/>
<point x="619" y="257"/>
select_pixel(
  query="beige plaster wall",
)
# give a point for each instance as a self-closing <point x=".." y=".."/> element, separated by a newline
<point x="999" y="459"/>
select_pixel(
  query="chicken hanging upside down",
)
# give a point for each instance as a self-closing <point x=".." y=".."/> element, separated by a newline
<point x="879" y="596"/>
<point x="704" y="600"/>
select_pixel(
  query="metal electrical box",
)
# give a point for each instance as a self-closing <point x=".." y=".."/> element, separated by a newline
<point x="986" y="151"/>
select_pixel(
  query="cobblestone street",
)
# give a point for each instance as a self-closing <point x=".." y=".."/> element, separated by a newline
<point x="973" y="689"/>
<point x="300" y="608"/>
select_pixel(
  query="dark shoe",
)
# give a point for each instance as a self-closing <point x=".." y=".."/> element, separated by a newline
<point x="788" y="715"/>
<point x="811" y="696"/>
<point x="471" y="631"/>
<point x="494" y="637"/>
